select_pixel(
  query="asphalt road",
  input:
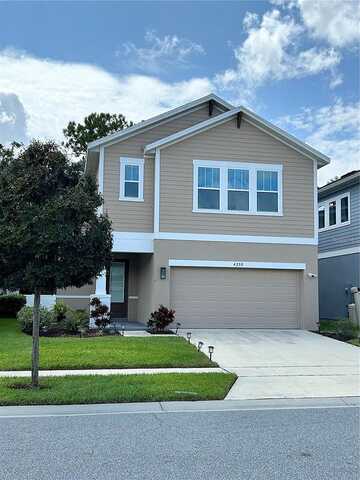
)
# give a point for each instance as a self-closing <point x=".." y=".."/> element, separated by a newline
<point x="301" y="444"/>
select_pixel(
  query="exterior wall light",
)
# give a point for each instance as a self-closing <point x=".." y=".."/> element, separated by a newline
<point x="211" y="351"/>
<point x="162" y="273"/>
<point x="200" y="345"/>
<point x="188" y="336"/>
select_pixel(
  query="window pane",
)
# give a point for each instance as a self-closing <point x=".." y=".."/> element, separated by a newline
<point x="267" y="181"/>
<point x="238" y="179"/>
<point x="321" y="218"/>
<point x="209" y="177"/>
<point x="209" y="199"/>
<point x="345" y="209"/>
<point x="131" y="189"/>
<point x="332" y="213"/>
<point x="267" y="202"/>
<point x="117" y="282"/>
<point x="238" y="200"/>
<point x="132" y="172"/>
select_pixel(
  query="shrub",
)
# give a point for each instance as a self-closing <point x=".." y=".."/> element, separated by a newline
<point x="346" y="330"/>
<point x="76" y="321"/>
<point x="161" y="318"/>
<point x="100" y="313"/>
<point x="25" y="319"/>
<point x="60" y="319"/>
<point x="11" y="304"/>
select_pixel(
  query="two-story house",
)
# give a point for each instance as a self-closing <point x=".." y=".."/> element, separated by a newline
<point x="214" y="213"/>
<point x="339" y="244"/>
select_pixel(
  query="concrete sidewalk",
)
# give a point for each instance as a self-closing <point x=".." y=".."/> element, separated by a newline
<point x="110" y="371"/>
<point x="176" y="407"/>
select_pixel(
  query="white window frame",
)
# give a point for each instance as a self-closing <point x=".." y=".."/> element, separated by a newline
<point x="224" y="166"/>
<point x="324" y="205"/>
<point x="139" y="162"/>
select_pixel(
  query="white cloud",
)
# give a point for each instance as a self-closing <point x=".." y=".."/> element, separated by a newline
<point x="160" y="52"/>
<point x="270" y="52"/>
<point x="56" y="92"/>
<point x="336" y="21"/>
<point x="335" y="131"/>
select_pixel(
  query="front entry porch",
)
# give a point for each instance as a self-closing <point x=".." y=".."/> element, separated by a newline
<point x="123" y="289"/>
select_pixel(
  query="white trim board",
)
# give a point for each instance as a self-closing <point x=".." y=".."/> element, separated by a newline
<point x="236" y="264"/>
<point x="143" y="242"/>
<point x="74" y="296"/>
<point x="203" y="237"/>
<point x="133" y="242"/>
<point x="339" y="253"/>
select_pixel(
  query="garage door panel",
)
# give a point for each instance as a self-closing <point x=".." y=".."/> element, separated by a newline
<point x="235" y="298"/>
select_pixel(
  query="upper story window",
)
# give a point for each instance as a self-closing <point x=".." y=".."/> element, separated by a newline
<point x="334" y="212"/>
<point x="237" y="188"/>
<point x="209" y="188"/>
<point x="132" y="179"/>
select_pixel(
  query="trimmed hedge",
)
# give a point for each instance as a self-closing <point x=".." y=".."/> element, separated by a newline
<point x="10" y="304"/>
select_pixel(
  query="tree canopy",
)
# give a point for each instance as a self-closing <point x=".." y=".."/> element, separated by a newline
<point x="95" y="125"/>
<point x="51" y="235"/>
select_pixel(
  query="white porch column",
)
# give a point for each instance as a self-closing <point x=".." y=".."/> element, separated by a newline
<point x="100" y="293"/>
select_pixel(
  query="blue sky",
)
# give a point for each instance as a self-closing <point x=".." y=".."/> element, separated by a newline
<point x="294" y="62"/>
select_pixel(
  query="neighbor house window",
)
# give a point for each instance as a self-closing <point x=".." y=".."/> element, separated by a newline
<point x="345" y="209"/>
<point x="132" y="179"/>
<point x="267" y="191"/>
<point x="334" y="212"/>
<point x="321" y="217"/>
<point x="236" y="187"/>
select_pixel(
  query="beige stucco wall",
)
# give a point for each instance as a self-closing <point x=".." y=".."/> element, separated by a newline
<point x="190" y="250"/>
<point x="138" y="216"/>
<point x="247" y="144"/>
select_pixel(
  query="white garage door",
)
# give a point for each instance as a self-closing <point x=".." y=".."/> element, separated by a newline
<point x="235" y="298"/>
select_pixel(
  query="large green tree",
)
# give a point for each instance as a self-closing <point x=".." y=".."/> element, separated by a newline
<point x="51" y="234"/>
<point x="94" y="126"/>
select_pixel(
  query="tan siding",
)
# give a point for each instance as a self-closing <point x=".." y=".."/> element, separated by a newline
<point x="235" y="298"/>
<point x="138" y="216"/>
<point x="247" y="144"/>
<point x="85" y="290"/>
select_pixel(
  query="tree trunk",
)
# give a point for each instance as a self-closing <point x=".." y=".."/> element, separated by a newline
<point x="35" y="341"/>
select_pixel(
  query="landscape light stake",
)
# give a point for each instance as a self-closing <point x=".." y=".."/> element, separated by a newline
<point x="123" y="330"/>
<point x="200" y="345"/>
<point x="188" y="336"/>
<point x="211" y="351"/>
<point x="177" y="328"/>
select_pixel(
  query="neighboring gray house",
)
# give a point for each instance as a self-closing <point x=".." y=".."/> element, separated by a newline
<point x="214" y="213"/>
<point x="339" y="244"/>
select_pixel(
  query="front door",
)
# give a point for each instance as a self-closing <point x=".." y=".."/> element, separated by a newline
<point x="119" y="289"/>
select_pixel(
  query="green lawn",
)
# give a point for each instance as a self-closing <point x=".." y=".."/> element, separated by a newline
<point x="96" y="352"/>
<point x="117" y="388"/>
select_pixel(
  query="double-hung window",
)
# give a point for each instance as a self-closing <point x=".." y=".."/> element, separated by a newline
<point x="234" y="187"/>
<point x="209" y="188"/>
<point x="132" y="179"/>
<point x="267" y="195"/>
<point x="334" y="212"/>
<point x="238" y="190"/>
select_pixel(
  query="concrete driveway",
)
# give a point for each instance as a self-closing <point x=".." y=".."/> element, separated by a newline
<point x="284" y="363"/>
